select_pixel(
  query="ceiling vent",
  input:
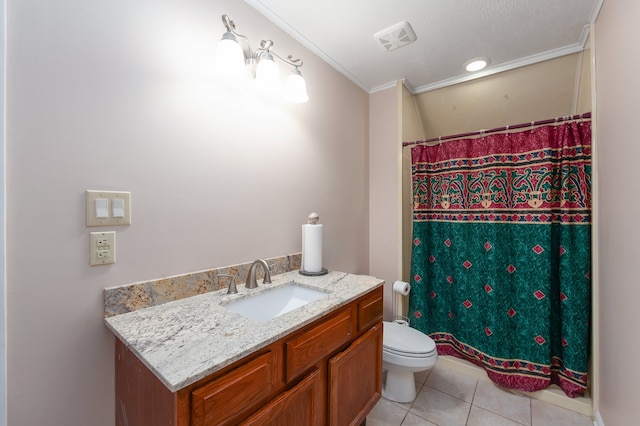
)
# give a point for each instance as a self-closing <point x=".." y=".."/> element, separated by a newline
<point x="395" y="36"/>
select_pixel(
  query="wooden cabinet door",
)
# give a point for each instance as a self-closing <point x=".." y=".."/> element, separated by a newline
<point x="298" y="406"/>
<point x="355" y="379"/>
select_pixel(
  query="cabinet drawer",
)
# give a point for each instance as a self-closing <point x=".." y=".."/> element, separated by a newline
<point x="310" y="347"/>
<point x="221" y="401"/>
<point x="370" y="310"/>
<point x="299" y="406"/>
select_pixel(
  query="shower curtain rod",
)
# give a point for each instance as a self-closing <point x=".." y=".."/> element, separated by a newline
<point x="586" y="115"/>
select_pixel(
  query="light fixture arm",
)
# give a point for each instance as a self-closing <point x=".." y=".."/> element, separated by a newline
<point x="265" y="45"/>
<point x="231" y="26"/>
<point x="297" y="63"/>
<point x="260" y="64"/>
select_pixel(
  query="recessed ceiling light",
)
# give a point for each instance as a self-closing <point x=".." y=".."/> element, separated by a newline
<point x="476" y="64"/>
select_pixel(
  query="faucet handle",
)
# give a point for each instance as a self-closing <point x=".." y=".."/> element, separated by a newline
<point x="232" y="283"/>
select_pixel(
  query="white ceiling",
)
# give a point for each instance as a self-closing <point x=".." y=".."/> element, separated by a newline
<point x="511" y="33"/>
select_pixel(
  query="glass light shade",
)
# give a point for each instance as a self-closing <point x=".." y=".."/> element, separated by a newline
<point x="295" y="88"/>
<point x="267" y="74"/>
<point x="229" y="56"/>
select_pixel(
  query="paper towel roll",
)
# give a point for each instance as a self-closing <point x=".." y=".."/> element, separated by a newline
<point x="401" y="287"/>
<point x="312" y="248"/>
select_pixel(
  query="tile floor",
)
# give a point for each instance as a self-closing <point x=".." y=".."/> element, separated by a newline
<point x="447" y="397"/>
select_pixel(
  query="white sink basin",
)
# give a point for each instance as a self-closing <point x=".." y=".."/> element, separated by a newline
<point x="272" y="303"/>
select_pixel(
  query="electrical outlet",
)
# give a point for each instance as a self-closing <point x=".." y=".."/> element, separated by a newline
<point x="103" y="254"/>
<point x="102" y="248"/>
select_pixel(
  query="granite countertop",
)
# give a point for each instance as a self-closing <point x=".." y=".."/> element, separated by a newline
<point x="183" y="341"/>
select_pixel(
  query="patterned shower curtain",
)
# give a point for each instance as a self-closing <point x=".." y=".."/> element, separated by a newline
<point x="501" y="253"/>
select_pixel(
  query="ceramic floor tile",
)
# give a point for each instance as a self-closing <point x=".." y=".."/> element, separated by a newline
<point x="440" y="408"/>
<point x="452" y="382"/>
<point x="404" y="405"/>
<point x="384" y="413"/>
<point x="543" y="414"/>
<point x="481" y="417"/>
<point x="502" y="402"/>
<point x="413" y="420"/>
<point x="436" y="405"/>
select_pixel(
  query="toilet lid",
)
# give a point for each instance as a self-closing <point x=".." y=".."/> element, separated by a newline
<point x="399" y="338"/>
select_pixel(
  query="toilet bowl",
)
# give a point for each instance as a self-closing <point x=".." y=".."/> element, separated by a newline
<point x="405" y="351"/>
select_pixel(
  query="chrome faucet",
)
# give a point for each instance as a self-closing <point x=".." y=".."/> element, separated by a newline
<point x="251" y="276"/>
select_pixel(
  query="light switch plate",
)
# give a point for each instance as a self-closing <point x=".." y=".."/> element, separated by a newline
<point x="102" y="248"/>
<point x="113" y="197"/>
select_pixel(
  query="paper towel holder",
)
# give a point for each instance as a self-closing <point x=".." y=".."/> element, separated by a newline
<point x="323" y="271"/>
<point x="313" y="220"/>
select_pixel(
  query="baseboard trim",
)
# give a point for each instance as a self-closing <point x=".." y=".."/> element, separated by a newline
<point x="553" y="395"/>
<point x="598" y="420"/>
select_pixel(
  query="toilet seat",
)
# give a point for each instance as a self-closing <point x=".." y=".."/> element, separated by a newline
<point x="409" y="355"/>
<point x="407" y="342"/>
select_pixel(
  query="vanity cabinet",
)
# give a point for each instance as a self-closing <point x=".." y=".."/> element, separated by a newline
<point x="326" y="373"/>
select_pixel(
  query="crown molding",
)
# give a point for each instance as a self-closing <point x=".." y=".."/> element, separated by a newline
<point x="281" y="23"/>
<point x="506" y="66"/>
<point x="595" y="11"/>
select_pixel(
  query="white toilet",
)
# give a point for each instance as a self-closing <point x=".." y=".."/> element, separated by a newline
<point x="405" y="351"/>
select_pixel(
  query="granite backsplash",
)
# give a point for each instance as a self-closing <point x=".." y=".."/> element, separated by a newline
<point x="144" y="294"/>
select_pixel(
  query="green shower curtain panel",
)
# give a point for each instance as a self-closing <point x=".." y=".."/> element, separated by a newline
<point x="501" y="254"/>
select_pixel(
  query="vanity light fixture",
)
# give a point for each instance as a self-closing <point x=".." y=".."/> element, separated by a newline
<point x="476" y="64"/>
<point x="237" y="61"/>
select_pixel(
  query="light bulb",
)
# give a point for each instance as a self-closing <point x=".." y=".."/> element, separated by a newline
<point x="295" y="88"/>
<point x="229" y="56"/>
<point x="267" y="74"/>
